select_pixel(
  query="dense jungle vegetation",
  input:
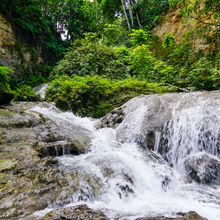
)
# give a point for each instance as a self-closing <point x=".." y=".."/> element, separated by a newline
<point x="101" y="53"/>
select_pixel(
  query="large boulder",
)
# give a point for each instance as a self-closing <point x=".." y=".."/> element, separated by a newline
<point x="139" y="119"/>
<point x="202" y="168"/>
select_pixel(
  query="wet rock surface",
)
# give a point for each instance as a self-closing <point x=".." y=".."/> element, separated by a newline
<point x="202" y="168"/>
<point x="112" y="119"/>
<point x="148" y="119"/>
<point x="80" y="212"/>
<point x="30" y="178"/>
<point x="150" y="115"/>
<point x="184" y="216"/>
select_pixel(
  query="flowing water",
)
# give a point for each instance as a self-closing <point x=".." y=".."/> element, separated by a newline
<point x="132" y="181"/>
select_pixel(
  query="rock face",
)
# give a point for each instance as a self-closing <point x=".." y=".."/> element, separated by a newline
<point x="82" y="212"/>
<point x="113" y="119"/>
<point x="7" y="40"/>
<point x="142" y="117"/>
<point x="77" y="212"/>
<point x="30" y="178"/>
<point x="11" y="50"/>
<point x="174" y="23"/>
<point x="202" y="168"/>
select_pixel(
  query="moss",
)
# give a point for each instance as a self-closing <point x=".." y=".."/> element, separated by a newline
<point x="7" y="164"/>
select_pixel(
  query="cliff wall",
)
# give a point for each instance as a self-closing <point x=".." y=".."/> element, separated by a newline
<point x="14" y="54"/>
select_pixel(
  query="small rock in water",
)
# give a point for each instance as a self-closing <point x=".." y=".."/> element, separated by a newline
<point x="113" y="119"/>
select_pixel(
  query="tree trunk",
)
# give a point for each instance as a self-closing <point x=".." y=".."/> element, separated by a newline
<point x="124" y="9"/>
<point x="138" y="20"/>
<point x="130" y="13"/>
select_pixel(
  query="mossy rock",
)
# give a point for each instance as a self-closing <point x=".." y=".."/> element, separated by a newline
<point x="7" y="164"/>
<point x="76" y="212"/>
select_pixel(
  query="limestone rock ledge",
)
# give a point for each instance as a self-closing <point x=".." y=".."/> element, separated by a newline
<point x="31" y="178"/>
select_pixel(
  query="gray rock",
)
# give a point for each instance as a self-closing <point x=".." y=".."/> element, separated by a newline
<point x="30" y="179"/>
<point x="112" y="119"/>
<point x="202" y="168"/>
<point x="77" y="212"/>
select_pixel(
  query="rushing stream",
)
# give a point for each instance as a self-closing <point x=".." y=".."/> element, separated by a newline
<point x="126" y="180"/>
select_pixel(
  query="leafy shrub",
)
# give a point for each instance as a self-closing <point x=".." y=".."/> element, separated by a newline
<point x="174" y="3"/>
<point x="139" y="37"/>
<point x="25" y="93"/>
<point x="204" y="76"/>
<point x="144" y="64"/>
<point x="95" y="96"/>
<point x="92" y="58"/>
<point x="115" y="34"/>
<point x="169" y="41"/>
<point x="4" y="79"/>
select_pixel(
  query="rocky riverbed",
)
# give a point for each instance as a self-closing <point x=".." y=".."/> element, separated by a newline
<point x="54" y="165"/>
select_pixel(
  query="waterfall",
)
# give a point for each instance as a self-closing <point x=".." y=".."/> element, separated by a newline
<point x="194" y="128"/>
<point x="161" y="160"/>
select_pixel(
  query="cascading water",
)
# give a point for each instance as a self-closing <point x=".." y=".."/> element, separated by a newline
<point x="192" y="129"/>
<point x="127" y="181"/>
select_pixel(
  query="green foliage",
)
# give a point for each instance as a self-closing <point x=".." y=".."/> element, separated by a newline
<point x="169" y="41"/>
<point x="123" y="54"/>
<point x="204" y="76"/>
<point x="149" y="12"/>
<point x="115" y="34"/>
<point x="38" y="75"/>
<point x="34" y="25"/>
<point x="25" y="93"/>
<point x="110" y="8"/>
<point x="88" y="57"/>
<point x="4" y="79"/>
<point x="144" y="64"/>
<point x="101" y="53"/>
<point x="174" y="3"/>
<point x="139" y="37"/>
<point x="95" y="96"/>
